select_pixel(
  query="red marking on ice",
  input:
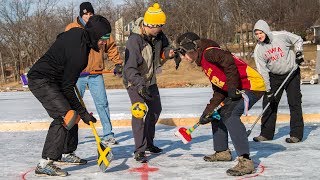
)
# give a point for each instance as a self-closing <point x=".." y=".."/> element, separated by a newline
<point x="23" y="175"/>
<point x="262" y="168"/>
<point x="144" y="170"/>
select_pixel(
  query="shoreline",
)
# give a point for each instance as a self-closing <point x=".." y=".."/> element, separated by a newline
<point x="176" y="122"/>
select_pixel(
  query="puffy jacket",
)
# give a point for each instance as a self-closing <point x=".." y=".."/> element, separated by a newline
<point x="95" y="60"/>
<point x="143" y="57"/>
<point x="63" y="63"/>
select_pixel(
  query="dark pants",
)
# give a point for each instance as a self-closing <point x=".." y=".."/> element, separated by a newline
<point x="144" y="130"/>
<point x="292" y="87"/>
<point x="231" y="122"/>
<point x="59" y="140"/>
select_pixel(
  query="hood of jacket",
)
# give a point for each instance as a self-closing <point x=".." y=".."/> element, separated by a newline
<point x="137" y="26"/>
<point x="202" y="45"/>
<point x="263" y="26"/>
<point x="97" y="26"/>
<point x="138" y="29"/>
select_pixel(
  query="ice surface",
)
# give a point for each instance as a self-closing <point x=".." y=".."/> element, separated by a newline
<point x="20" y="151"/>
<point x="273" y="159"/>
<point x="176" y="103"/>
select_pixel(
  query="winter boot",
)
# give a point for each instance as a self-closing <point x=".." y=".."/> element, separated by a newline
<point x="219" y="156"/>
<point x="140" y="157"/>
<point x="71" y="158"/>
<point x="244" y="166"/>
<point x="260" y="138"/>
<point x="292" y="140"/>
<point x="46" y="167"/>
<point x="153" y="149"/>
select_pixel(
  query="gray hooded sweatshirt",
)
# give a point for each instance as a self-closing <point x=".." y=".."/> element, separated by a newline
<point x="278" y="56"/>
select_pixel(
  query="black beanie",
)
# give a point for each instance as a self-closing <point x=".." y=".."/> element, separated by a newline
<point x="86" y="7"/>
<point x="97" y="26"/>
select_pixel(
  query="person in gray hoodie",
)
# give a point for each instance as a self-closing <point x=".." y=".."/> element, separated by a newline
<point x="276" y="54"/>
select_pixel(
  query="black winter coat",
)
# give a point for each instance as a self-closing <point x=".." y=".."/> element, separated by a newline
<point x="63" y="63"/>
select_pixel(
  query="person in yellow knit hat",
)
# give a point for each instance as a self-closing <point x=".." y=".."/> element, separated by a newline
<point x="154" y="16"/>
<point x="146" y="50"/>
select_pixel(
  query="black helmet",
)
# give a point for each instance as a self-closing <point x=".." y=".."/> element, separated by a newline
<point x="187" y="42"/>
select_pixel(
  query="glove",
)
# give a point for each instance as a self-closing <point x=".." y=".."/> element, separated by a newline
<point x="177" y="60"/>
<point x="172" y="53"/>
<point x="271" y="99"/>
<point x="234" y="94"/>
<point x="118" y="70"/>
<point x="205" y="119"/>
<point x="145" y="93"/>
<point x="299" y="58"/>
<point x="86" y="118"/>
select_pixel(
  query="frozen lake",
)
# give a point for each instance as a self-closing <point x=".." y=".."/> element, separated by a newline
<point x="176" y="102"/>
<point x="273" y="159"/>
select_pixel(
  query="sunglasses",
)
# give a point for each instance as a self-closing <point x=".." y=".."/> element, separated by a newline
<point x="153" y="25"/>
<point x="105" y="37"/>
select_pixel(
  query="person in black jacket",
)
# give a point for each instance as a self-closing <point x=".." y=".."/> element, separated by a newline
<point x="52" y="80"/>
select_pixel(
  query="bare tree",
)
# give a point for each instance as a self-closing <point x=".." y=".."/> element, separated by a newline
<point x="13" y="15"/>
<point x="29" y="27"/>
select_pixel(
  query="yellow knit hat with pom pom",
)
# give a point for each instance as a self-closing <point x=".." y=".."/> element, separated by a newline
<point x="154" y="16"/>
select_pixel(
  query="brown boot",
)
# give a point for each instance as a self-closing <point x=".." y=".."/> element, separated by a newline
<point x="260" y="138"/>
<point x="244" y="166"/>
<point x="219" y="156"/>
<point x="292" y="140"/>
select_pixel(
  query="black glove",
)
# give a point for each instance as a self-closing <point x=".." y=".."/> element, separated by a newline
<point x="177" y="59"/>
<point x="205" y="119"/>
<point x="299" y="58"/>
<point x="86" y="118"/>
<point x="271" y="99"/>
<point x="234" y="94"/>
<point x="145" y="93"/>
<point x="118" y="70"/>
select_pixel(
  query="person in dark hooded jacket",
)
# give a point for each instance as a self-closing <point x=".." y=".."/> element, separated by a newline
<point x="52" y="80"/>
<point x="231" y="79"/>
<point x="95" y="82"/>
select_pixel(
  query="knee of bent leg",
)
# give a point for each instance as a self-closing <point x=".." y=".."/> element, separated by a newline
<point x="70" y="119"/>
<point x="230" y="116"/>
<point x="295" y="101"/>
<point x="158" y="110"/>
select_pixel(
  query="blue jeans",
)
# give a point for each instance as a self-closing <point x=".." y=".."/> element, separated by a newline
<point x="98" y="92"/>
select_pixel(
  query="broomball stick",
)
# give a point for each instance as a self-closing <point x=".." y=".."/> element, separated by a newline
<point x="95" y="72"/>
<point x="185" y="134"/>
<point x="268" y="104"/>
<point x="104" y="151"/>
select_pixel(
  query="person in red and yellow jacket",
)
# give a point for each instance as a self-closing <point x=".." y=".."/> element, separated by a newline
<point x="231" y="79"/>
<point x="95" y="65"/>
